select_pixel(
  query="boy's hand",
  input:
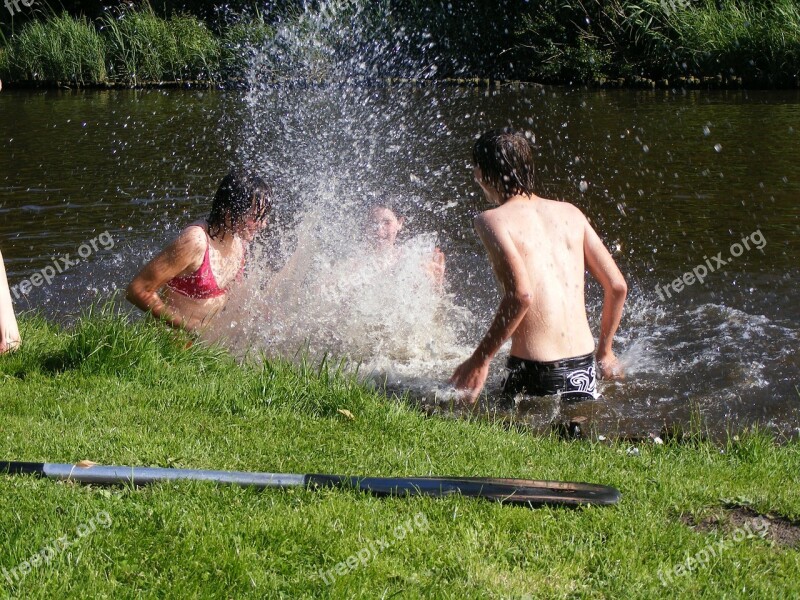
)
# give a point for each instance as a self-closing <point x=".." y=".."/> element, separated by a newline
<point x="610" y="367"/>
<point x="469" y="378"/>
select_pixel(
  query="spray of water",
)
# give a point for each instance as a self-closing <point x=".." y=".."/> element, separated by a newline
<point x="316" y="284"/>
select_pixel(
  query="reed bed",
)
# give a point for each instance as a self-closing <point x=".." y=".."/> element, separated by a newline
<point x="758" y="41"/>
<point x="584" y="40"/>
<point x="132" y="48"/>
<point x="557" y="41"/>
<point x="141" y="47"/>
<point x="239" y="44"/>
<point x="60" y="49"/>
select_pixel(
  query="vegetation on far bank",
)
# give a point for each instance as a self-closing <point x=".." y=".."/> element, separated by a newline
<point x="646" y="42"/>
<point x="119" y="393"/>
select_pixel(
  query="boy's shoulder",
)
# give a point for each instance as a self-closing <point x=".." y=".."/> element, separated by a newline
<point x="505" y="210"/>
<point x="564" y="210"/>
<point x="574" y="211"/>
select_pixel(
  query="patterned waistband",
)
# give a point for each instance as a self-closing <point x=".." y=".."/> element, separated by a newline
<point x="576" y="362"/>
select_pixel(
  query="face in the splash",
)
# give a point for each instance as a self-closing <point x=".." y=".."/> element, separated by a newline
<point x="251" y="227"/>
<point x="383" y="226"/>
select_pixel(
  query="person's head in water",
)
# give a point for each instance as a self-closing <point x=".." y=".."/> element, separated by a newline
<point x="503" y="160"/>
<point x="241" y="205"/>
<point x="384" y="222"/>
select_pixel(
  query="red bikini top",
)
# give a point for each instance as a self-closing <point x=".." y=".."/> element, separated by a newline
<point x="201" y="284"/>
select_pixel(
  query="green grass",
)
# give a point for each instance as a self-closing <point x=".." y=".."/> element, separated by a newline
<point x="581" y="40"/>
<point x="145" y="48"/>
<point x="60" y="49"/>
<point x="758" y="41"/>
<point x="133" y="394"/>
<point x="560" y="41"/>
<point x="5" y="64"/>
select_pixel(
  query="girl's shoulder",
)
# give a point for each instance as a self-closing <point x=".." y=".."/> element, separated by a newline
<point x="193" y="238"/>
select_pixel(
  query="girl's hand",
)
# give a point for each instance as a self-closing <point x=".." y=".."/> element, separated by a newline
<point x="435" y="268"/>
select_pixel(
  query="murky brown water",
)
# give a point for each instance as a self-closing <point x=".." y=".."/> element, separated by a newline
<point x="669" y="179"/>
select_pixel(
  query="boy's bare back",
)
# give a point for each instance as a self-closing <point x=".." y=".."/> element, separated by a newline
<point x="547" y="237"/>
<point x="539" y="250"/>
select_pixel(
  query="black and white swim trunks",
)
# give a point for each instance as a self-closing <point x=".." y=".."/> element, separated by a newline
<point x="572" y="378"/>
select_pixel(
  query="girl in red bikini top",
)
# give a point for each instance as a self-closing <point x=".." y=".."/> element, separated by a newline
<point x="179" y="286"/>
<point x="202" y="284"/>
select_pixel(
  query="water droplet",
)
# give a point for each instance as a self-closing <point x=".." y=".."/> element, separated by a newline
<point x="706" y="130"/>
<point x="583" y="186"/>
<point x="718" y="147"/>
<point x="645" y="148"/>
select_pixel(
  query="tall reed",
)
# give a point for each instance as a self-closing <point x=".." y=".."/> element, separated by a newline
<point x="59" y="49"/>
<point x="5" y="63"/>
<point x="759" y="41"/>
<point x="563" y="41"/>
<point x="579" y="40"/>
<point x="145" y="48"/>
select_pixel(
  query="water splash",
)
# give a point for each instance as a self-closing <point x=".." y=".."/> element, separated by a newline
<point x="331" y="150"/>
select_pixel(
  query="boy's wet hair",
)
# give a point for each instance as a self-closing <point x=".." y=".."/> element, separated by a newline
<point x="239" y="196"/>
<point x="505" y="157"/>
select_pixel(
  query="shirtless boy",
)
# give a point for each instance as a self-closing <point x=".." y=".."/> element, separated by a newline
<point x="539" y="250"/>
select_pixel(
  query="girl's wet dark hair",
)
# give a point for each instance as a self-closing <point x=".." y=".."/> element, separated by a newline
<point x="240" y="195"/>
<point x="505" y="157"/>
<point x="391" y="202"/>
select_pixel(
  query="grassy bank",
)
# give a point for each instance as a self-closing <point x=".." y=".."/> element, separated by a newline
<point x="132" y="394"/>
<point x="735" y="41"/>
<point x="140" y="47"/>
<point x="647" y="42"/>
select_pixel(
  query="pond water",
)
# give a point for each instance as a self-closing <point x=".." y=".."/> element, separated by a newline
<point x="670" y="179"/>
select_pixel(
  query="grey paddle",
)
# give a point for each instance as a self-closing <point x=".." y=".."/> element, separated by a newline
<point x="512" y="491"/>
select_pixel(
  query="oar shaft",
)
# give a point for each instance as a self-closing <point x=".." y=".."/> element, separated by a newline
<point x="105" y="475"/>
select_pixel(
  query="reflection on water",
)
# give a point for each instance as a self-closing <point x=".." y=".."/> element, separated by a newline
<point x="667" y="179"/>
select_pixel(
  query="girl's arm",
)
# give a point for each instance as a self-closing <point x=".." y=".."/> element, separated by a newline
<point x="183" y="256"/>
<point x="435" y="268"/>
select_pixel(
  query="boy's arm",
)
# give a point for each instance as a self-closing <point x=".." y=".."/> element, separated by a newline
<point x="603" y="268"/>
<point x="9" y="331"/>
<point x="512" y="275"/>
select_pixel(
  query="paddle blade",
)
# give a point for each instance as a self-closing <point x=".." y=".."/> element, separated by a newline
<point x="510" y="491"/>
